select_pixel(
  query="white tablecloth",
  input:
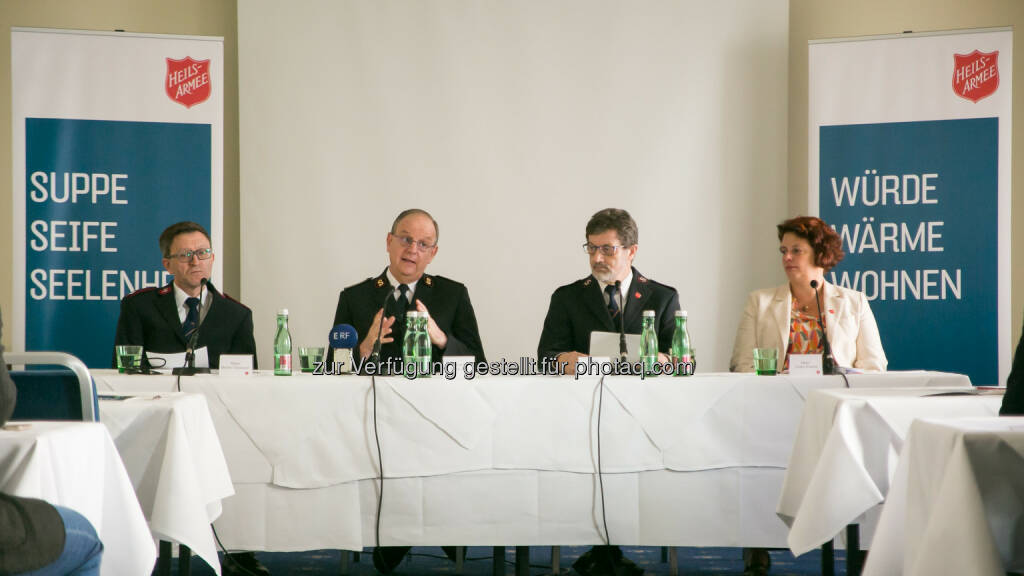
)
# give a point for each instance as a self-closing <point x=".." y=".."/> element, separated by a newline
<point x="957" y="501"/>
<point x="505" y="460"/>
<point x="846" y="452"/>
<point x="174" y="459"/>
<point x="75" y="464"/>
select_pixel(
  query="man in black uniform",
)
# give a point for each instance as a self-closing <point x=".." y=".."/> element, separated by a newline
<point x="592" y="303"/>
<point x="376" y="308"/>
<point x="163" y="319"/>
<point x="403" y="286"/>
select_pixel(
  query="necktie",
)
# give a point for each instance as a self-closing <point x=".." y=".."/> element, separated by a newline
<point x="191" y="318"/>
<point x="613" y="302"/>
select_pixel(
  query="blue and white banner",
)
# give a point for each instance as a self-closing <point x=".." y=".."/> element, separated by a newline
<point x="116" y="136"/>
<point x="910" y="163"/>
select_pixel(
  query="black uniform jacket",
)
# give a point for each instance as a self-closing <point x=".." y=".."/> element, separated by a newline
<point x="1013" y="401"/>
<point x="149" y="317"/>
<point x="447" y="301"/>
<point x="578" y="309"/>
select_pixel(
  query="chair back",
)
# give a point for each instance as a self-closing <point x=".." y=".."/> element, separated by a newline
<point x="52" y="386"/>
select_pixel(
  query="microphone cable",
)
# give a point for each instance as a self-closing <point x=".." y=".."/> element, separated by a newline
<point x="380" y="460"/>
<point x="600" y="473"/>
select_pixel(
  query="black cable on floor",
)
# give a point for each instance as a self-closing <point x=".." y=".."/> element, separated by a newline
<point x="222" y="549"/>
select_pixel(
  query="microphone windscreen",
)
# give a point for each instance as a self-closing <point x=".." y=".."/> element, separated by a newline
<point x="814" y="283"/>
<point x="344" y="336"/>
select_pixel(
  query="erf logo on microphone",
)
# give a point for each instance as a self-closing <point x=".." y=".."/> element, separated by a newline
<point x="341" y="335"/>
<point x="975" y="75"/>
<point x="188" y="81"/>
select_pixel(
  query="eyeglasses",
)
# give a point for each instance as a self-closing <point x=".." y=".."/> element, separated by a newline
<point x="187" y="255"/>
<point x="408" y="242"/>
<point x="606" y="249"/>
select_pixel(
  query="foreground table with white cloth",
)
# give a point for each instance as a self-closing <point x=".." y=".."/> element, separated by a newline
<point x="846" y="452"/>
<point x="174" y="459"/>
<point x="75" y="464"/>
<point x="957" y="501"/>
<point x="692" y="461"/>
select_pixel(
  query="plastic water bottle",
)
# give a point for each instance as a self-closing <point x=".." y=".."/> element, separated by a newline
<point x="282" y="345"/>
<point x="681" y="346"/>
<point x="648" y="343"/>
<point x="423" y="350"/>
<point x="409" y="342"/>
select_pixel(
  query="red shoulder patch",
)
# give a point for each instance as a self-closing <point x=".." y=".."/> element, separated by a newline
<point x="228" y="296"/>
<point x="150" y="289"/>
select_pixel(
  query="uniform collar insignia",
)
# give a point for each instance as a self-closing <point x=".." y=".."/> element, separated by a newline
<point x="640" y="278"/>
<point x="586" y="282"/>
<point x="428" y="280"/>
<point x="380" y="282"/>
<point x="166" y="290"/>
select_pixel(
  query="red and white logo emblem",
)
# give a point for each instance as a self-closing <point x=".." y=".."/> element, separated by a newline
<point x="188" y="81"/>
<point x="975" y="75"/>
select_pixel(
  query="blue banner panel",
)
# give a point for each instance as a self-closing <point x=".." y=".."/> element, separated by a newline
<point x="98" y="194"/>
<point x="916" y="206"/>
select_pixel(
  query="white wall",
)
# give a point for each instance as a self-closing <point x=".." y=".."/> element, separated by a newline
<point x="512" y="122"/>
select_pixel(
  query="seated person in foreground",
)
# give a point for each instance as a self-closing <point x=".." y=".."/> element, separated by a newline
<point x="37" y="537"/>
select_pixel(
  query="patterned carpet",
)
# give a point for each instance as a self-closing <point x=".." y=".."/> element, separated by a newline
<point x="431" y="560"/>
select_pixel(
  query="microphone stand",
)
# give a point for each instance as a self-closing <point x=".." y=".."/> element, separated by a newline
<point x="190" y="369"/>
<point x="828" y="363"/>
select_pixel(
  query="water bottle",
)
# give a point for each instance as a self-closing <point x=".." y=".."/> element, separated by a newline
<point x="681" y="346"/>
<point x="423" y="350"/>
<point x="648" y="343"/>
<point x="409" y="342"/>
<point x="282" y="345"/>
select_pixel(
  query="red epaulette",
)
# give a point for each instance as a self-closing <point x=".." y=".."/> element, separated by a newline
<point x="163" y="290"/>
<point x="228" y="296"/>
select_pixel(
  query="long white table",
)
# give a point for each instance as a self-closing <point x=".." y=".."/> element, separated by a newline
<point x="846" y="452"/>
<point x="693" y="461"/>
<point x="957" y="502"/>
<point x="174" y="460"/>
<point x="75" y="464"/>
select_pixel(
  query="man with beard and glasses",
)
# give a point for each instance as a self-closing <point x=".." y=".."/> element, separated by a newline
<point x="591" y="304"/>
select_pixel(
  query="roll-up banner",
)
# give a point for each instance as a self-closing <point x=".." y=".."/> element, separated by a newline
<point x="116" y="136"/>
<point x="910" y="162"/>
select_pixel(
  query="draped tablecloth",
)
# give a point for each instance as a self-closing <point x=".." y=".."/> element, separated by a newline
<point x="75" y="465"/>
<point x="846" y="452"/>
<point x="505" y="460"/>
<point x="957" y="501"/>
<point x="174" y="460"/>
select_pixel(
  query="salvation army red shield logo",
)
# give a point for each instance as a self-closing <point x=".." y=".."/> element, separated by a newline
<point x="188" y="81"/>
<point x="975" y="75"/>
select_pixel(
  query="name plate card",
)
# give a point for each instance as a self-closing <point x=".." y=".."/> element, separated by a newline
<point x="805" y="364"/>
<point x="236" y="365"/>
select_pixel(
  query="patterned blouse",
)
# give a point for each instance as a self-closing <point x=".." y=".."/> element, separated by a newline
<point x="804" y="334"/>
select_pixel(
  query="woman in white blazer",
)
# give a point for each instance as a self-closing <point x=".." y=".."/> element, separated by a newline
<point x="786" y="317"/>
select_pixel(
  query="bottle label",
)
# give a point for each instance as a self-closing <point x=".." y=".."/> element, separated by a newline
<point x="284" y="362"/>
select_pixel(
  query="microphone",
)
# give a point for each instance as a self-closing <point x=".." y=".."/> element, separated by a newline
<point x="828" y="364"/>
<point x="623" y="352"/>
<point x="189" y="369"/>
<point x="343" y="339"/>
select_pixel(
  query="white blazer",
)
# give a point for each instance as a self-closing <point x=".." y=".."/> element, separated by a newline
<point x="850" y="325"/>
